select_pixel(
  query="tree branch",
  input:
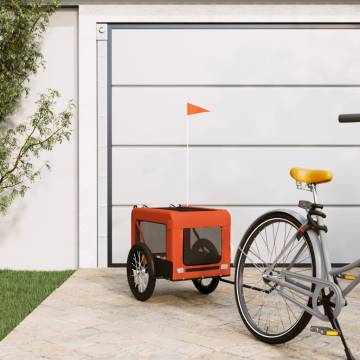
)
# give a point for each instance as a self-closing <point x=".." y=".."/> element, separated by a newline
<point x="18" y="158"/>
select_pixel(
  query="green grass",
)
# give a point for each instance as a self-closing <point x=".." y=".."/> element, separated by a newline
<point x="22" y="291"/>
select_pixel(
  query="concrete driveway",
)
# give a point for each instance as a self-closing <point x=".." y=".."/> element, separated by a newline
<point x="94" y="316"/>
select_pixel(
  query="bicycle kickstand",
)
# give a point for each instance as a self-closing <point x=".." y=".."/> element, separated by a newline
<point x="335" y="323"/>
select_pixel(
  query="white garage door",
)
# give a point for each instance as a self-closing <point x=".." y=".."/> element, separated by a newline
<point x="273" y="96"/>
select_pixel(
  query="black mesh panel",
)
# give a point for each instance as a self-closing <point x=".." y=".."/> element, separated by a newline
<point x="202" y="246"/>
<point x="154" y="236"/>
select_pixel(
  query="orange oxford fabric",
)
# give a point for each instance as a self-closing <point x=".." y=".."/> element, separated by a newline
<point x="176" y="222"/>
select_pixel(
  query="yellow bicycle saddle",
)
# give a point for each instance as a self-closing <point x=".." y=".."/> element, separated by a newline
<point x="309" y="176"/>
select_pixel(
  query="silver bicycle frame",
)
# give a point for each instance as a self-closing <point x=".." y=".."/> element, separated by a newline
<point x="324" y="271"/>
<point x="354" y="283"/>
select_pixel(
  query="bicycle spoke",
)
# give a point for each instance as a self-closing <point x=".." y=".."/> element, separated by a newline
<point x="273" y="249"/>
<point x="256" y="266"/>
<point x="258" y="251"/>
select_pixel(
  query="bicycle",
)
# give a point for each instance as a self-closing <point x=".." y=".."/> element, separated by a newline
<point x="283" y="274"/>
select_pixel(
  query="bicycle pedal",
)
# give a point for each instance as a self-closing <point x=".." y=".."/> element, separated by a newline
<point x="347" y="277"/>
<point x="323" y="330"/>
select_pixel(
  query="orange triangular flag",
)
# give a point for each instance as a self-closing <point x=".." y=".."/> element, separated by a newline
<point x="194" y="109"/>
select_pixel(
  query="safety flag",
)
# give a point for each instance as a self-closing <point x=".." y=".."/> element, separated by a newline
<point x="194" y="109"/>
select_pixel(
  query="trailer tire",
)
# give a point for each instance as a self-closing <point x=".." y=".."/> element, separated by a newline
<point x="141" y="272"/>
<point x="206" y="288"/>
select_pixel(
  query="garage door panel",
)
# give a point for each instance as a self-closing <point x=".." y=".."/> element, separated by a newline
<point x="148" y="176"/>
<point x="235" y="56"/>
<point x="148" y="116"/>
<point x="273" y="95"/>
<point x="277" y="116"/>
<point x="342" y="235"/>
<point x="261" y="175"/>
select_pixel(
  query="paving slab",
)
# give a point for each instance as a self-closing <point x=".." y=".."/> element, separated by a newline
<point x="93" y="316"/>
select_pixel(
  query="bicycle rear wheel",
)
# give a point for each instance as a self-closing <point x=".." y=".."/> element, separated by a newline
<point x="265" y="312"/>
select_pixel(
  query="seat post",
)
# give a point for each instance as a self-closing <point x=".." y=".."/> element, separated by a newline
<point x="314" y="192"/>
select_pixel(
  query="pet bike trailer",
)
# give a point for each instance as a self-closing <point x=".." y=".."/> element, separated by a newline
<point x="178" y="243"/>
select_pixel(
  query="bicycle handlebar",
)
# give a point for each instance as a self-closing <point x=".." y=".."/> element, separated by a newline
<point x="349" y="118"/>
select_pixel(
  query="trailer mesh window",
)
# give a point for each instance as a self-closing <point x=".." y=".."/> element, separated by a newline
<point x="153" y="235"/>
<point x="202" y="246"/>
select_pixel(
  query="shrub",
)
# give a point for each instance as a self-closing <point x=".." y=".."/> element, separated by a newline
<point x="22" y="23"/>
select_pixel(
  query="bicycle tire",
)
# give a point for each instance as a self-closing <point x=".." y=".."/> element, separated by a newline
<point x="240" y="264"/>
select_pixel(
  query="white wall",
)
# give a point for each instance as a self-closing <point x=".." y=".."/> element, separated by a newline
<point x="41" y="230"/>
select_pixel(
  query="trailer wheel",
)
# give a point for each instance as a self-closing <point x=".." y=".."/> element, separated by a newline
<point x="141" y="273"/>
<point x="206" y="286"/>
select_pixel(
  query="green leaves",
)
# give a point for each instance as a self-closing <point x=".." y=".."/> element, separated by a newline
<point x="22" y="24"/>
<point x="19" y="145"/>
